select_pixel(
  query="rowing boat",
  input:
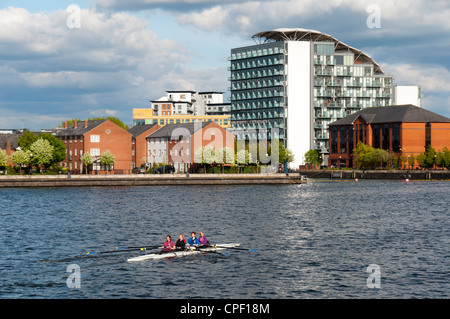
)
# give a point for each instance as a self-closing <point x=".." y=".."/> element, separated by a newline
<point x="182" y="253"/>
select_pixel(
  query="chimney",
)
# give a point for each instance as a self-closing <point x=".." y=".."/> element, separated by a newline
<point x="75" y="124"/>
<point x="85" y="123"/>
<point x="8" y="148"/>
<point x="65" y="124"/>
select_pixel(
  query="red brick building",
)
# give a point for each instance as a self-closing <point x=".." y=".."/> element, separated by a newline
<point x="139" y="142"/>
<point x="401" y="129"/>
<point x="176" y="144"/>
<point x="95" y="137"/>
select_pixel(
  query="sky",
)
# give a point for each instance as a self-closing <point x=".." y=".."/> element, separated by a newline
<point x="110" y="56"/>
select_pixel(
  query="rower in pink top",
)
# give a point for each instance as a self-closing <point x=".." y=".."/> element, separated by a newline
<point x="168" y="245"/>
<point x="203" y="240"/>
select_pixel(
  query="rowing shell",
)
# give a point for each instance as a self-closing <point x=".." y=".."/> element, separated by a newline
<point x="182" y="253"/>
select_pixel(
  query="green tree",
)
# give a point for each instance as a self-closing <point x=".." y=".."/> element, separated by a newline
<point x="411" y="160"/>
<point x="21" y="158"/>
<point x="26" y="139"/>
<point x="430" y="157"/>
<point x="446" y="157"/>
<point x="59" y="149"/>
<point x="403" y="160"/>
<point x="243" y="157"/>
<point x="224" y="156"/>
<point x="107" y="159"/>
<point x="363" y="156"/>
<point x="395" y="160"/>
<point x="86" y="159"/>
<point x="421" y="160"/>
<point x="285" y="154"/>
<point x="42" y="153"/>
<point x="312" y="157"/>
<point x="3" y="157"/>
<point x="379" y="156"/>
<point x="205" y="155"/>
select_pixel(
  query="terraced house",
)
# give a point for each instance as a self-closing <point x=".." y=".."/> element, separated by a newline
<point x="176" y="144"/>
<point x="95" y="137"/>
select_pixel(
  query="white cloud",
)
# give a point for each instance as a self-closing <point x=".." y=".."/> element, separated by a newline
<point x="248" y="17"/>
<point x="113" y="63"/>
<point x="431" y="78"/>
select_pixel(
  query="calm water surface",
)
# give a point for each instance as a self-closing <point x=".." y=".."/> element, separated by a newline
<point x="314" y="240"/>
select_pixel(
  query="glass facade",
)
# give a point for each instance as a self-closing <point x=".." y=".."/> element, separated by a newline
<point x="341" y="84"/>
<point x="257" y="91"/>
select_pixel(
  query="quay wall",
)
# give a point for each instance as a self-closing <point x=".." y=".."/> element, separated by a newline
<point x="378" y="174"/>
<point x="146" y="180"/>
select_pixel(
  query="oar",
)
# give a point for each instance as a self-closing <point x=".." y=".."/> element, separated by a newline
<point x="134" y="247"/>
<point x="212" y="251"/>
<point x="238" y="248"/>
<point x="121" y="250"/>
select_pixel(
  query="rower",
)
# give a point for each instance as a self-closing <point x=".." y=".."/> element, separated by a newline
<point x="168" y="245"/>
<point x="203" y="241"/>
<point x="193" y="241"/>
<point x="181" y="242"/>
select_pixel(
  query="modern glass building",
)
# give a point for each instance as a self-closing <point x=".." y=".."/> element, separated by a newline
<point x="293" y="82"/>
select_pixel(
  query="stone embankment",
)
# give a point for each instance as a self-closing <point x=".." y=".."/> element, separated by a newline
<point x="146" y="180"/>
<point x="378" y="174"/>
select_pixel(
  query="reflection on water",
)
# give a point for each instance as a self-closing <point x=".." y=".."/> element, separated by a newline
<point x="314" y="240"/>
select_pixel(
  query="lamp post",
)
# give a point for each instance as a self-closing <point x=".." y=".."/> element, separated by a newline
<point x="31" y="164"/>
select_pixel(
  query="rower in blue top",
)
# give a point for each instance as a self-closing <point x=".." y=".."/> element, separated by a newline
<point x="193" y="241"/>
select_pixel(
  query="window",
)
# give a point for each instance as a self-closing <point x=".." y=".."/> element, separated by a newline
<point x="385" y="138"/>
<point x="427" y="136"/>
<point x="334" y="142"/>
<point x="360" y="133"/>
<point x="376" y="136"/>
<point x="95" y="152"/>
<point x="343" y="139"/>
<point x="95" y="138"/>
<point x="350" y="139"/>
<point x="395" y="138"/>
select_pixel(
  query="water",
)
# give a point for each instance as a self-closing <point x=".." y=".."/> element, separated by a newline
<point x="314" y="240"/>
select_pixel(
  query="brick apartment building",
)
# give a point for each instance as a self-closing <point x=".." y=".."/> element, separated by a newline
<point x="176" y="144"/>
<point x="400" y="129"/>
<point x="139" y="142"/>
<point x="95" y="137"/>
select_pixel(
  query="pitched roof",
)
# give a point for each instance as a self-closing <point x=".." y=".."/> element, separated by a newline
<point x="140" y="129"/>
<point x="168" y="129"/>
<point x="397" y="113"/>
<point x="80" y="129"/>
<point x="12" y="138"/>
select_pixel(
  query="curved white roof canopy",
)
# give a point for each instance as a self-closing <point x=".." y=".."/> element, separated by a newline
<point x="298" y="34"/>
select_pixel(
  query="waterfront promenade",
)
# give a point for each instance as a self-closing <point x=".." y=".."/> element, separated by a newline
<point x="146" y="180"/>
